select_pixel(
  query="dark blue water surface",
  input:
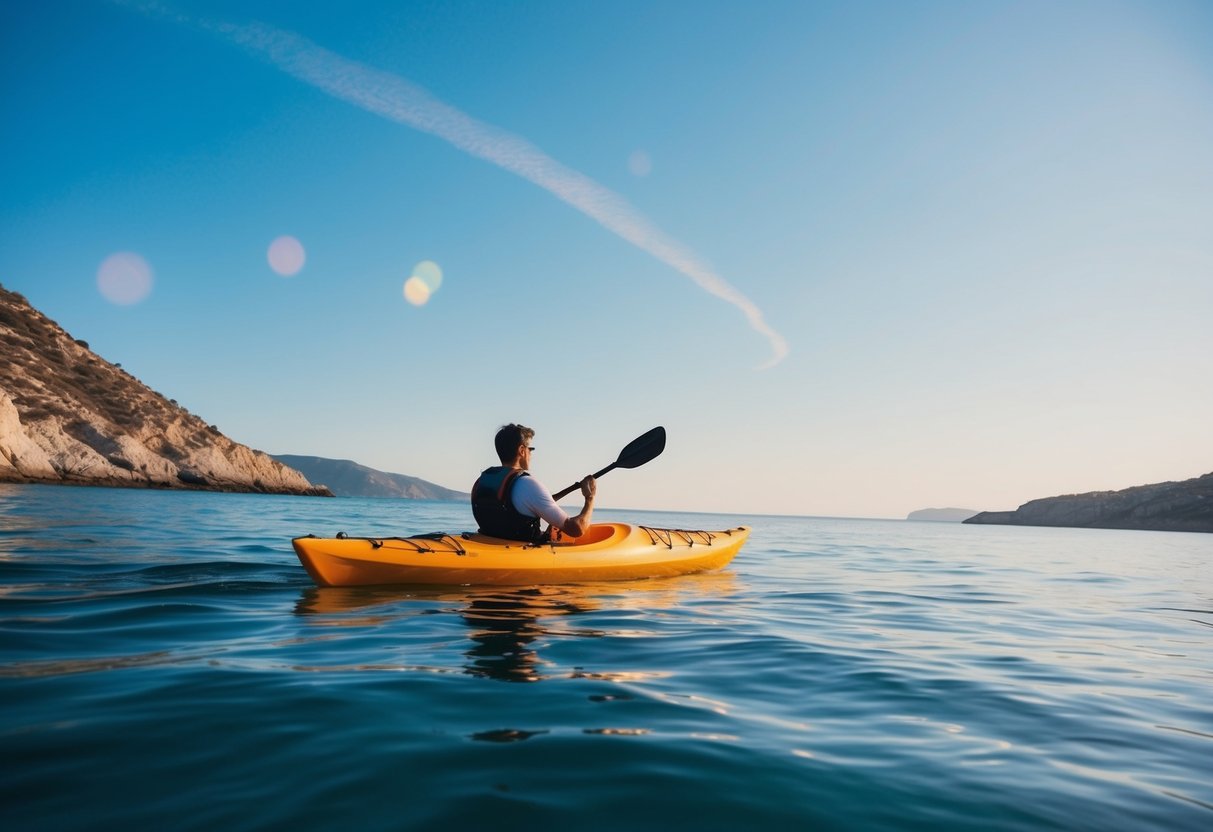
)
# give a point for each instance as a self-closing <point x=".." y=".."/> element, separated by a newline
<point x="165" y="663"/>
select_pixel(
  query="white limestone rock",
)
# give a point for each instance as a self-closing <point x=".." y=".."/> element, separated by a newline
<point x="67" y="415"/>
<point x="19" y="454"/>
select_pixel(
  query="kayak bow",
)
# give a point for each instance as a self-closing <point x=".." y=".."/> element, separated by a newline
<point x="606" y="552"/>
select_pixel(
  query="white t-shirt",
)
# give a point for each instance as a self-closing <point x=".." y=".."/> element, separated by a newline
<point x="532" y="499"/>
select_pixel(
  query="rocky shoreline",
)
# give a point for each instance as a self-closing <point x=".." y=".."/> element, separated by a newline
<point x="1185" y="506"/>
<point x="68" y="416"/>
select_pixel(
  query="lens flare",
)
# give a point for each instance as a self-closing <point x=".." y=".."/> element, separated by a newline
<point x="124" y="278"/>
<point x="428" y="272"/>
<point x="286" y="256"/>
<point x="640" y="164"/>
<point x="397" y="99"/>
<point x="416" y="292"/>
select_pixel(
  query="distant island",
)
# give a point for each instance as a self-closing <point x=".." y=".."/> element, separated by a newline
<point x="942" y="515"/>
<point x="1185" y="506"/>
<point x="346" y="478"/>
<point x="68" y="416"/>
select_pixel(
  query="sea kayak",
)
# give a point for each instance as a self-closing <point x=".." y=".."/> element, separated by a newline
<point x="606" y="552"/>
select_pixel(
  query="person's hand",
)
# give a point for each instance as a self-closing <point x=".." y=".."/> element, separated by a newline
<point x="589" y="487"/>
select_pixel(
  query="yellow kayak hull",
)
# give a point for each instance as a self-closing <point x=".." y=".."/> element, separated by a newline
<point x="606" y="552"/>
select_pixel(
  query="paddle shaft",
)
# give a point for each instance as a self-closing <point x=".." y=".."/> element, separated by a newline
<point x="642" y="449"/>
<point x="566" y="492"/>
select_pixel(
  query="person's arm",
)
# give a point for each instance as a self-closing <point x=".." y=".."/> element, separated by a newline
<point x="577" y="525"/>
<point x="530" y="497"/>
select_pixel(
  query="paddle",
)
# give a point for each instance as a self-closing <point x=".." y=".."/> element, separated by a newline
<point x="640" y="450"/>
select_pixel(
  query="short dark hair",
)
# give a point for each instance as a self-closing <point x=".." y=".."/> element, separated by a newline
<point x="508" y="438"/>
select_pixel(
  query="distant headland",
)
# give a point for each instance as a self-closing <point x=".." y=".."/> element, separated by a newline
<point x="347" y="478"/>
<point x="1185" y="506"/>
<point x="69" y="416"/>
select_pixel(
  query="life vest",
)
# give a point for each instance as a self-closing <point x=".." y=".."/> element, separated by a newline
<point x="493" y="506"/>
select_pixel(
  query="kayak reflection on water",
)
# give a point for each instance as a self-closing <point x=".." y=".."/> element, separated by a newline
<point x="505" y="623"/>
<point x="508" y="626"/>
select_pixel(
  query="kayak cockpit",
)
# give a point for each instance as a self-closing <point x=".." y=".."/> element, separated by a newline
<point x="596" y="535"/>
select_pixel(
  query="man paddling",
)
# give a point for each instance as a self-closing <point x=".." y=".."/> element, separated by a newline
<point x="508" y="502"/>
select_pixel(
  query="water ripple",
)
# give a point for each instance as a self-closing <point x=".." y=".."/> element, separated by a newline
<point x="840" y="674"/>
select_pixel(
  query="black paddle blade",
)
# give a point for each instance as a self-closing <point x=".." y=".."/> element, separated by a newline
<point x="642" y="449"/>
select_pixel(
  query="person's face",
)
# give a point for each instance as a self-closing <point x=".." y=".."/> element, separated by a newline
<point x="524" y="456"/>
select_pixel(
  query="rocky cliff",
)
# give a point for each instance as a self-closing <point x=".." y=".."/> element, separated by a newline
<point x="69" y="416"/>
<point x="1170" y="506"/>
<point x="346" y="478"/>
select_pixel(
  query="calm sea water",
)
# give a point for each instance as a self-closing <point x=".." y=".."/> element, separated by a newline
<point x="165" y="663"/>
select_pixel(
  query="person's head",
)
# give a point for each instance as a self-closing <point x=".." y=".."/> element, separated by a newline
<point x="513" y="444"/>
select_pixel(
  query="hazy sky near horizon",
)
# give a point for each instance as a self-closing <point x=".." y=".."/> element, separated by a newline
<point x="858" y="258"/>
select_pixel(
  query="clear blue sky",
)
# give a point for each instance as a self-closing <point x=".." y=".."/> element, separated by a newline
<point x="983" y="231"/>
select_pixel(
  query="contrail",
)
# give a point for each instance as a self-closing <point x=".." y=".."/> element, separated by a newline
<point x="395" y="98"/>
